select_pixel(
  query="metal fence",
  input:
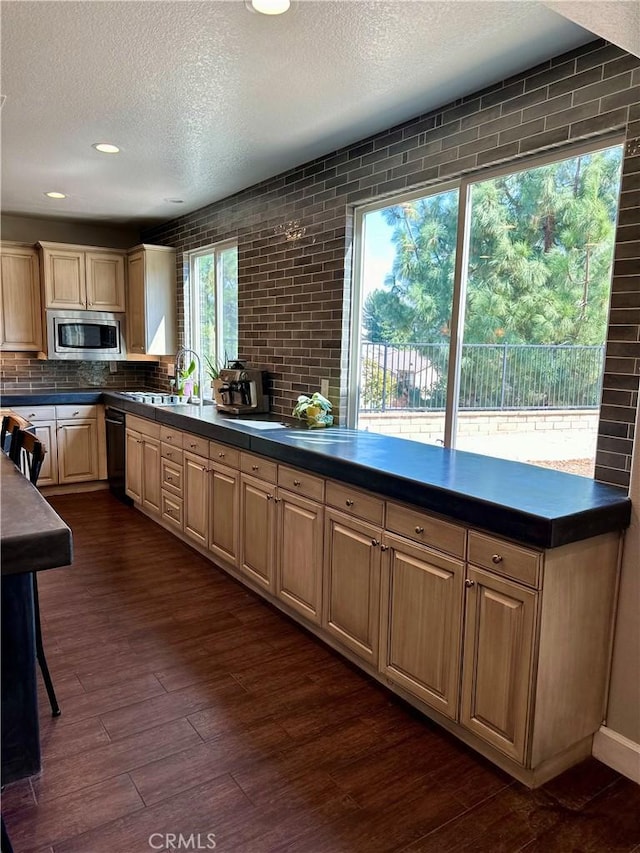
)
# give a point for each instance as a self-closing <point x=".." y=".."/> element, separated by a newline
<point x="498" y="377"/>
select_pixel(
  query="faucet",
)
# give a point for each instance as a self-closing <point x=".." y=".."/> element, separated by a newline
<point x="179" y="364"/>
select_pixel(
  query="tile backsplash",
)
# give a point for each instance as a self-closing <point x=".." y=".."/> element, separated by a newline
<point x="20" y="372"/>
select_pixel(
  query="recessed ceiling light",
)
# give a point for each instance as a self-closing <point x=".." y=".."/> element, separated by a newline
<point x="174" y="200"/>
<point x="270" y="7"/>
<point x="54" y="194"/>
<point x="105" y="147"/>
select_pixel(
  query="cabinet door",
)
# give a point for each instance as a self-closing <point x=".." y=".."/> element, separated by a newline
<point x="257" y="523"/>
<point x="77" y="450"/>
<point x="46" y="432"/>
<point x="134" y="465"/>
<point x="105" y="281"/>
<point x="64" y="278"/>
<point x="421" y="622"/>
<point x="20" y="306"/>
<point x="352" y="584"/>
<point x="136" y="340"/>
<point x="300" y="549"/>
<point x="224" y="513"/>
<point x="497" y="661"/>
<point x="151" y="474"/>
<point x="196" y="498"/>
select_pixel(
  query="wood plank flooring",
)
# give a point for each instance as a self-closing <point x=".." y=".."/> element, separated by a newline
<point x="191" y="706"/>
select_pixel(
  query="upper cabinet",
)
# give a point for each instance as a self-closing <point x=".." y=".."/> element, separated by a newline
<point x="151" y="300"/>
<point x="20" y="306"/>
<point x="82" y="277"/>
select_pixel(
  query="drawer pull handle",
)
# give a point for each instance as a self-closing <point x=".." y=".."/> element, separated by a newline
<point x="254" y="467"/>
<point x="496" y="558"/>
<point x="469" y="583"/>
<point x="296" y="482"/>
<point x="375" y="542"/>
<point x="419" y="529"/>
<point x="349" y="502"/>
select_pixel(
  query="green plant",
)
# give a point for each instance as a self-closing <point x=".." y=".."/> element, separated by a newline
<point x="212" y="367"/>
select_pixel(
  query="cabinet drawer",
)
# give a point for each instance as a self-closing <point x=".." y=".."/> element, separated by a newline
<point x="505" y="558"/>
<point x="195" y="444"/>
<point x="356" y="503"/>
<point x="171" y="509"/>
<point x="224" y="454"/>
<point x="301" y="483"/>
<point x="144" y="426"/>
<point x="171" y="477"/>
<point x="169" y="451"/>
<point x="68" y="412"/>
<point x="426" y="529"/>
<point x="258" y="466"/>
<point x="171" y="436"/>
<point x="35" y="413"/>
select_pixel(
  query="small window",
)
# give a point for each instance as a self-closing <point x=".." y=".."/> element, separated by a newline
<point x="213" y="296"/>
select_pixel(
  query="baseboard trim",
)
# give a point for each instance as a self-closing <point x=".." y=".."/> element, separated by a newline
<point x="618" y="752"/>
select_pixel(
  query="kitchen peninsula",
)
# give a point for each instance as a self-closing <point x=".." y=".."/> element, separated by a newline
<point x="481" y="591"/>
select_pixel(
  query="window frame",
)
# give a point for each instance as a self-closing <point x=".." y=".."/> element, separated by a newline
<point x="193" y="338"/>
<point x="464" y="185"/>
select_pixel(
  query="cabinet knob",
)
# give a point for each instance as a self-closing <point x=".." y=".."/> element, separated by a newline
<point x="349" y="502"/>
<point x="138" y="441"/>
<point x="193" y="445"/>
<point x="254" y="467"/>
<point x="169" y="453"/>
<point x="277" y="500"/>
<point x="384" y="547"/>
<point x="469" y="583"/>
<point x="75" y="413"/>
<point x="419" y="529"/>
<point x="169" y="479"/>
<point x="296" y="482"/>
<point x="221" y="455"/>
<point x="375" y="542"/>
<point x="269" y="497"/>
<point x="496" y="558"/>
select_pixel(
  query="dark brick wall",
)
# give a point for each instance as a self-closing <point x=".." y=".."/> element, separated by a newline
<point x="21" y="372"/>
<point x="294" y="231"/>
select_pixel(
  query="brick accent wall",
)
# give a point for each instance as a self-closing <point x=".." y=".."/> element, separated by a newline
<point x="21" y="372"/>
<point x="294" y="231"/>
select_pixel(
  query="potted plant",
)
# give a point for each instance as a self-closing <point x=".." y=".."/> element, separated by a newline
<point x="212" y="367"/>
<point x="315" y="410"/>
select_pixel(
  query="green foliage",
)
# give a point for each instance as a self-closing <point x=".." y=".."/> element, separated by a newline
<point x="377" y="385"/>
<point x="541" y="247"/>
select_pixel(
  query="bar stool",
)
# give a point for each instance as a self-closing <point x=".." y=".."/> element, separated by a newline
<point x="27" y="453"/>
<point x="10" y="423"/>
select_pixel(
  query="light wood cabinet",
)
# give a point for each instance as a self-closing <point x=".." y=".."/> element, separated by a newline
<point x="151" y="474"/>
<point x="421" y="622"/>
<point x="300" y="533"/>
<point x="352" y="584"/>
<point x="151" y="300"/>
<point x="133" y="465"/>
<point x="257" y="526"/>
<point x="82" y="278"/>
<point x="20" y="302"/>
<point x="77" y="450"/>
<point x="45" y="430"/>
<point x="196" y="498"/>
<point x="224" y="513"/>
<point x="498" y="661"/>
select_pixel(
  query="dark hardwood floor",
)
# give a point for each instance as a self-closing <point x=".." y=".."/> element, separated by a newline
<point x="190" y="706"/>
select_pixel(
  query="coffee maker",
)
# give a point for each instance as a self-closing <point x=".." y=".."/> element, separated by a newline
<point x="240" y="391"/>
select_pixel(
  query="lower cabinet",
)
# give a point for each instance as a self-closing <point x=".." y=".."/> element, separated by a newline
<point x="77" y="451"/>
<point x="352" y="584"/>
<point x="196" y="498"/>
<point x="46" y="431"/>
<point x="498" y="661"/>
<point x="421" y="622"/>
<point x="224" y="513"/>
<point x="299" y="551"/>
<point x="143" y="470"/>
<point x="257" y="526"/>
<point x="133" y="456"/>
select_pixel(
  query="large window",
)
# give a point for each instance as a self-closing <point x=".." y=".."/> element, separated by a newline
<point x="481" y="312"/>
<point x="213" y="295"/>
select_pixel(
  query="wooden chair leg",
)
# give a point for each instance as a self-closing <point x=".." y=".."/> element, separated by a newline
<point x="46" y="677"/>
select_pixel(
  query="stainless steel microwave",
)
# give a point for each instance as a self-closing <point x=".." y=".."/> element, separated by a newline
<point x="86" y="336"/>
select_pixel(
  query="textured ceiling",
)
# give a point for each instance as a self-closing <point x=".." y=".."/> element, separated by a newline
<point x="206" y="98"/>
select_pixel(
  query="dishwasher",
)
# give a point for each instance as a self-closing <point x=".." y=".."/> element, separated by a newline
<point x="116" y="451"/>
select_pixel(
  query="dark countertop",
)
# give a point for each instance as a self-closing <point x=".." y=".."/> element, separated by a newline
<point x="33" y="536"/>
<point x="537" y="506"/>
